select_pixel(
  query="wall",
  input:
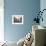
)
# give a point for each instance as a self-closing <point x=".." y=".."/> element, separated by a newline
<point x="28" y="8"/>
<point x="43" y="6"/>
<point x="1" y="20"/>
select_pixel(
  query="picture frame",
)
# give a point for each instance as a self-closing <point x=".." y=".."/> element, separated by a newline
<point x="17" y="19"/>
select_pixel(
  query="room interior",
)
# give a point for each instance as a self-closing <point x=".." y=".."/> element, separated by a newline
<point x="17" y="34"/>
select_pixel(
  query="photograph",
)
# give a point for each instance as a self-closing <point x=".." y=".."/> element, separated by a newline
<point x="17" y="19"/>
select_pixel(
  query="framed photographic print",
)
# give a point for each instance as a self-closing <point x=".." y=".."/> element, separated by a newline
<point x="17" y="19"/>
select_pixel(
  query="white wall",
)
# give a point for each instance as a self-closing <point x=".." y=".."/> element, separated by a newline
<point x="43" y="6"/>
<point x="1" y="20"/>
